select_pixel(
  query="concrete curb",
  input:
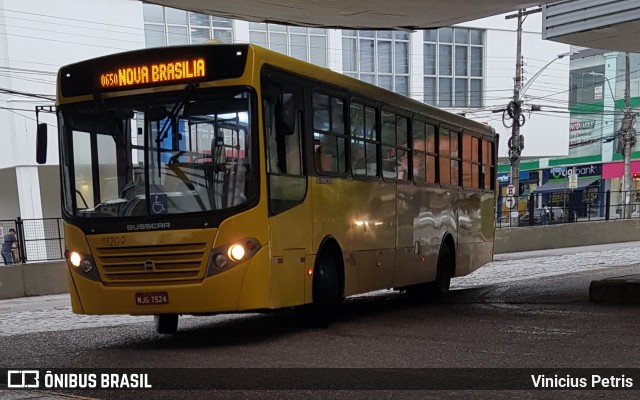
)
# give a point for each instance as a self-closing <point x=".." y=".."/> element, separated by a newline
<point x="33" y="279"/>
<point x="620" y="289"/>
<point x="511" y="240"/>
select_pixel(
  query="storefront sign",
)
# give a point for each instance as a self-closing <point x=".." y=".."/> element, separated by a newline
<point x="597" y="93"/>
<point x="585" y="136"/>
<point x="579" y="125"/>
<point x="505" y="177"/>
<point x="582" y="170"/>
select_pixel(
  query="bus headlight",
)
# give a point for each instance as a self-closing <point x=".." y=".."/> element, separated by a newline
<point x="75" y="259"/>
<point x="228" y="256"/>
<point x="83" y="264"/>
<point x="236" y="252"/>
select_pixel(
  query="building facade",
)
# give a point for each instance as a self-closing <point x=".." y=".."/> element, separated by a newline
<point x="596" y="107"/>
<point x="466" y="69"/>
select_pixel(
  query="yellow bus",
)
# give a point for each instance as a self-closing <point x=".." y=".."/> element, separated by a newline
<point x="227" y="178"/>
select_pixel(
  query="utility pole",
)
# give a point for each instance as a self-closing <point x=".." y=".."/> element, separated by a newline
<point x="515" y="147"/>
<point x="514" y="109"/>
<point x="628" y="134"/>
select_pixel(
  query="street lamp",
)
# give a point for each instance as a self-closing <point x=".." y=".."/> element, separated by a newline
<point x="537" y="74"/>
<point x="514" y="110"/>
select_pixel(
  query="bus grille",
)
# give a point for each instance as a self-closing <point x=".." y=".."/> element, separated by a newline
<point x="153" y="264"/>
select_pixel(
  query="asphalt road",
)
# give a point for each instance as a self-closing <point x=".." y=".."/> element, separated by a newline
<point x="537" y="322"/>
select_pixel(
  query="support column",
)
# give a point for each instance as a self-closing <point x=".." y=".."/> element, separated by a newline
<point x="28" y="185"/>
<point x="416" y="63"/>
<point x="334" y="50"/>
<point x="241" y="31"/>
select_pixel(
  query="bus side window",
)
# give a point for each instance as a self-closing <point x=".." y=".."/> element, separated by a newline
<point x="454" y="143"/>
<point x="329" y="134"/>
<point x="364" y="148"/>
<point x="476" y="164"/>
<point x="444" y="157"/>
<point x="488" y="166"/>
<point x="283" y="129"/>
<point x="431" y="157"/>
<point x="471" y="164"/>
<point x="394" y="146"/>
<point x="324" y="160"/>
<point x="418" y="154"/>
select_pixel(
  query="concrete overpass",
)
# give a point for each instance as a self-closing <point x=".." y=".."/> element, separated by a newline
<point x="602" y="24"/>
<point x="357" y="14"/>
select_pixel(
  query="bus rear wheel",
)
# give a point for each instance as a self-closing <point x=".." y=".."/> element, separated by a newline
<point x="439" y="288"/>
<point x="326" y="292"/>
<point x="166" y="323"/>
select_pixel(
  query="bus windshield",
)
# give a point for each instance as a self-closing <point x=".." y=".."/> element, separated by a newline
<point x="184" y="152"/>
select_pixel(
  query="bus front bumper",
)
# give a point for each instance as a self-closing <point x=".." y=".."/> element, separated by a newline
<point x="244" y="287"/>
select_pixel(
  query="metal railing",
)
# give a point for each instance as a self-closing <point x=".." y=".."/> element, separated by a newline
<point x="566" y="207"/>
<point x="38" y="239"/>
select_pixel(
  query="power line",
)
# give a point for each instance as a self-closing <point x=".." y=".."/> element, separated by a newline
<point x="65" y="41"/>
<point x="71" y="33"/>
<point x="68" y="19"/>
<point x="25" y="94"/>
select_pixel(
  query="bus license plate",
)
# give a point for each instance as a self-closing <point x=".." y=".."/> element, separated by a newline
<point x="148" y="298"/>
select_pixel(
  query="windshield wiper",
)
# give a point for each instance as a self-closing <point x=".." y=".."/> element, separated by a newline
<point x="111" y="118"/>
<point x="164" y="130"/>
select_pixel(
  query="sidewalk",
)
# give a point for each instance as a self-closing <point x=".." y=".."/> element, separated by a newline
<point x="619" y="289"/>
<point x="25" y="315"/>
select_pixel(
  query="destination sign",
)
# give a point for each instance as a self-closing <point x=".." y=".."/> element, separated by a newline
<point x="154" y="73"/>
<point x="159" y="66"/>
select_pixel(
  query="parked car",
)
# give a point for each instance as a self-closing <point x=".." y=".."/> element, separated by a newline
<point x="537" y="217"/>
<point x="556" y="215"/>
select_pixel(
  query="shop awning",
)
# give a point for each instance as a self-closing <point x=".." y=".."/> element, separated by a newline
<point x="561" y="186"/>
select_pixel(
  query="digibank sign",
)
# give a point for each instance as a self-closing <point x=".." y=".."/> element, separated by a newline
<point x="583" y="170"/>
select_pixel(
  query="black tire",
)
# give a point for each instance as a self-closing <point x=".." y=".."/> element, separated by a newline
<point x="166" y="323"/>
<point x="326" y="292"/>
<point x="439" y="288"/>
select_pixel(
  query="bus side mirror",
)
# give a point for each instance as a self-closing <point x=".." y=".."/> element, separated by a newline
<point x="286" y="115"/>
<point x="41" y="144"/>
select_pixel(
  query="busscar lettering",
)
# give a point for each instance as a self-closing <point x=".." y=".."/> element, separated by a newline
<point x="142" y="227"/>
<point x="154" y="73"/>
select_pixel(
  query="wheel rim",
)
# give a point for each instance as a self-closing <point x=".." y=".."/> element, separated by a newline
<point x="325" y="290"/>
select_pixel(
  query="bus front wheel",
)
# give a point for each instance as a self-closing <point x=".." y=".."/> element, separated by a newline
<point x="166" y="323"/>
<point x="326" y="292"/>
